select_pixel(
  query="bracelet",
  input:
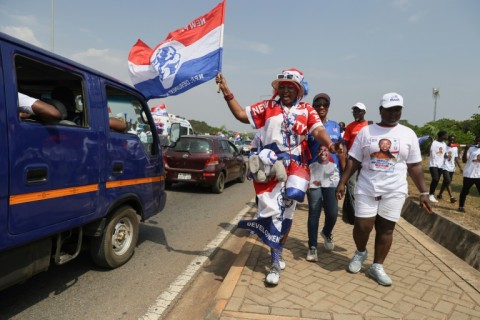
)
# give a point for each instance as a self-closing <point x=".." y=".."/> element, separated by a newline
<point x="228" y="97"/>
<point x="424" y="193"/>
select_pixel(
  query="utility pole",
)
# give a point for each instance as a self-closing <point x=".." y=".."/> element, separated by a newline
<point x="52" y="40"/>
<point x="436" y="94"/>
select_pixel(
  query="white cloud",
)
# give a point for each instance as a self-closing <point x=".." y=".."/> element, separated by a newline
<point x="105" y="60"/>
<point x="26" y="20"/>
<point x="22" y="33"/>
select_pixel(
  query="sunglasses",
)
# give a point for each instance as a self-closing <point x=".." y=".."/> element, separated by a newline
<point x="285" y="76"/>
<point x="286" y="87"/>
<point x="321" y="104"/>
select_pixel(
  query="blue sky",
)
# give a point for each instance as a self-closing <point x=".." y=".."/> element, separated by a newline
<point x="353" y="50"/>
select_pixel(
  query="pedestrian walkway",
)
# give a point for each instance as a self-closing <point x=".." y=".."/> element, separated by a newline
<point x="429" y="282"/>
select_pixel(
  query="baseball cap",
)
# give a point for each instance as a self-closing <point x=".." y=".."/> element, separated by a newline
<point x="360" y="106"/>
<point x="322" y="96"/>
<point x="391" y="99"/>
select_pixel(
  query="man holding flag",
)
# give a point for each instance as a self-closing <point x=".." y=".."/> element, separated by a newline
<point x="283" y="124"/>
<point x="186" y="58"/>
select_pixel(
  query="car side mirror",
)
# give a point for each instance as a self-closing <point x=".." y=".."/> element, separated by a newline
<point x="174" y="132"/>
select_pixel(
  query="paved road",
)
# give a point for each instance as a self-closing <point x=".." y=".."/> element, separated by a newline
<point x="168" y="243"/>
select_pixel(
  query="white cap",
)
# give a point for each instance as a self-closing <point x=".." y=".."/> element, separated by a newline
<point x="391" y="99"/>
<point x="360" y="106"/>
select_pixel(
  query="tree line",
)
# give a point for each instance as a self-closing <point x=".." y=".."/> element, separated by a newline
<point x="465" y="131"/>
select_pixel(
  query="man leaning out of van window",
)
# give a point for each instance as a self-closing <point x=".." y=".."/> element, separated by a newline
<point x="43" y="111"/>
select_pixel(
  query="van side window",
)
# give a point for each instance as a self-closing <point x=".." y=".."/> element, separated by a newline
<point x="128" y="109"/>
<point x="59" y="88"/>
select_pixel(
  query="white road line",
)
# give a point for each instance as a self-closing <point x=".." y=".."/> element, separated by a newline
<point x="167" y="297"/>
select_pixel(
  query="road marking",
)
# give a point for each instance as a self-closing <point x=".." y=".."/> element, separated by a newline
<point x="167" y="297"/>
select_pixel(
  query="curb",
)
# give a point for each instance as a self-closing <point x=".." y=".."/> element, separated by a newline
<point x="464" y="243"/>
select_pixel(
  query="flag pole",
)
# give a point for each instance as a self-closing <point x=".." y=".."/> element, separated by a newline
<point x="221" y="43"/>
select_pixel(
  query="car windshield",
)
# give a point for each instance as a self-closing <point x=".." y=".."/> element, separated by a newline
<point x="192" y="145"/>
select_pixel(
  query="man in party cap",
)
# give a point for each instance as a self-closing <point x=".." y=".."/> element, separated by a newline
<point x="283" y="123"/>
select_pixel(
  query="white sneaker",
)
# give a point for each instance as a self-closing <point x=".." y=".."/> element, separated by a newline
<point x="432" y="198"/>
<point x="282" y="264"/>
<point x="273" y="277"/>
<point x="357" y="261"/>
<point x="312" y="254"/>
<point x="377" y="273"/>
<point x="327" y="242"/>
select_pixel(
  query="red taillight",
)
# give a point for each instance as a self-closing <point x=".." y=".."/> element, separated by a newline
<point x="212" y="161"/>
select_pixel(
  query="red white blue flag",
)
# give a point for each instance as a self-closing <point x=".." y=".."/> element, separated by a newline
<point x="186" y="58"/>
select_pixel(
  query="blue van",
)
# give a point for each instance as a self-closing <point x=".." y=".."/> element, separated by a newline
<point x="75" y="182"/>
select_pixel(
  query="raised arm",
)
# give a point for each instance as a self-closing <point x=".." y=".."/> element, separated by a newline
<point x="238" y="112"/>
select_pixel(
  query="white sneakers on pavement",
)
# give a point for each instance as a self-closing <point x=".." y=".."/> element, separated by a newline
<point x="312" y="254"/>
<point x="357" y="261"/>
<point x="327" y="242"/>
<point x="273" y="277"/>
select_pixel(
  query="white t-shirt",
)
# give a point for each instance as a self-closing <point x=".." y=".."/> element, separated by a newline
<point x="25" y="103"/>
<point x="472" y="166"/>
<point x="324" y="175"/>
<point x="437" y="153"/>
<point x="449" y="161"/>
<point x="384" y="173"/>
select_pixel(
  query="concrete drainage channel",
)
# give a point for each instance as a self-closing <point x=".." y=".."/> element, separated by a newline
<point x="464" y="243"/>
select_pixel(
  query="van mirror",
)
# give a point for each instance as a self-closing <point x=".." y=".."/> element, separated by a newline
<point x="174" y="132"/>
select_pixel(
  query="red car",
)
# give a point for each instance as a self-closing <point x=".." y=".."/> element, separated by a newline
<point x="204" y="160"/>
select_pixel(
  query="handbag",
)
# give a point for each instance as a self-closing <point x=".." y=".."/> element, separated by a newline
<point x="298" y="179"/>
<point x="348" y="209"/>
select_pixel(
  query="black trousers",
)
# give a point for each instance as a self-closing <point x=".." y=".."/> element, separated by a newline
<point x="435" y="173"/>
<point x="467" y="184"/>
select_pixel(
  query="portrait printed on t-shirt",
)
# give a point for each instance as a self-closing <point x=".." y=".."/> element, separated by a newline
<point x="384" y="153"/>
<point x="324" y="172"/>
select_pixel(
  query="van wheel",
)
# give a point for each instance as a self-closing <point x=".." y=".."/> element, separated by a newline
<point x="219" y="184"/>
<point x="118" y="241"/>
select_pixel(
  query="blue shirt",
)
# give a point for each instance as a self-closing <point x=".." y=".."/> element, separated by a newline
<point x="333" y="131"/>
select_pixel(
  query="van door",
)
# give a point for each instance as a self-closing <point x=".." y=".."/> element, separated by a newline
<point x="133" y="156"/>
<point x="54" y="168"/>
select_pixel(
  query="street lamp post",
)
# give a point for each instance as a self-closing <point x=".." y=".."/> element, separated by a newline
<point x="436" y="94"/>
<point x="53" y="26"/>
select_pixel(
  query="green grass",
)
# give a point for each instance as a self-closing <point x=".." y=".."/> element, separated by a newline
<point x="471" y="218"/>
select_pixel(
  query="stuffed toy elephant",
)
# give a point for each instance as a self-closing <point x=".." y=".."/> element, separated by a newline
<point x="265" y="166"/>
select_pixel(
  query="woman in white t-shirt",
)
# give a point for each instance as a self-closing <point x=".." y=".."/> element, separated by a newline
<point x="382" y="185"/>
<point x="451" y="158"/>
<point x="436" y="159"/>
<point x="471" y="172"/>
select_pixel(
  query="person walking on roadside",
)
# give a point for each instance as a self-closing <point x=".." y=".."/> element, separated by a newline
<point x="324" y="176"/>
<point x="451" y="157"/>
<point x="283" y="124"/>
<point x="437" y="157"/>
<point x="342" y="128"/>
<point x="382" y="185"/>
<point x="351" y="130"/>
<point x="471" y="172"/>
